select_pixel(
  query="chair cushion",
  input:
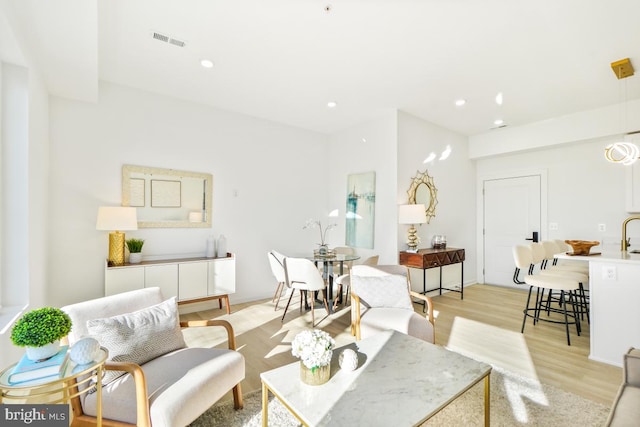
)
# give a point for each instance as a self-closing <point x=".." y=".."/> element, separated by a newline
<point x="376" y="320"/>
<point x="390" y="291"/>
<point x="139" y="336"/>
<point x="625" y="410"/>
<point x="182" y="385"/>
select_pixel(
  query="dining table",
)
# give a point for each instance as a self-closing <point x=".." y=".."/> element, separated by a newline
<point x="329" y="263"/>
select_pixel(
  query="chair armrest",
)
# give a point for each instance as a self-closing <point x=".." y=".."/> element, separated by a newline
<point x="214" y="322"/>
<point x="142" y="398"/>
<point x="632" y="367"/>
<point x="355" y="315"/>
<point x="428" y="301"/>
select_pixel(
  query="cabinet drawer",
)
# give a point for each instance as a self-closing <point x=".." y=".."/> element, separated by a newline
<point x="193" y="280"/>
<point x="118" y="280"/>
<point x="163" y="276"/>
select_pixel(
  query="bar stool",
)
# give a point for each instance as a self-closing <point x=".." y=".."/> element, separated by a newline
<point x="548" y="283"/>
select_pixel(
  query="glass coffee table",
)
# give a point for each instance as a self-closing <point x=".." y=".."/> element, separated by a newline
<point x="400" y="380"/>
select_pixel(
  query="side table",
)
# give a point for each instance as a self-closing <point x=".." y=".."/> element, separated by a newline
<point x="75" y="381"/>
<point x="431" y="258"/>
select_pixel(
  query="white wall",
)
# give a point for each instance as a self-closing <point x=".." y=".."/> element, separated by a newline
<point x="455" y="180"/>
<point x="349" y="154"/>
<point x="267" y="180"/>
<point x="584" y="190"/>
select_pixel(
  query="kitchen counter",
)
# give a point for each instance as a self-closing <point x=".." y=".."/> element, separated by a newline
<point x="614" y="296"/>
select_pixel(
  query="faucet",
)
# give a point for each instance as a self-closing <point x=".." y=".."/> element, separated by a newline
<point x="626" y="242"/>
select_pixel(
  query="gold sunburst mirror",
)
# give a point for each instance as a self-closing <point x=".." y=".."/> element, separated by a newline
<point x="424" y="191"/>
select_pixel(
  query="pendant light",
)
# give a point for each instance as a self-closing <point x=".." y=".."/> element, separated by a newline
<point x="622" y="152"/>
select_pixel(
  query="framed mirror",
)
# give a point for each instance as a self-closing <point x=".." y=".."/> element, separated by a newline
<point x="167" y="197"/>
<point x="424" y="191"/>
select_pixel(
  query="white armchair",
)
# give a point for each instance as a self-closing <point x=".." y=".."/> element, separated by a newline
<point x="164" y="383"/>
<point x="381" y="300"/>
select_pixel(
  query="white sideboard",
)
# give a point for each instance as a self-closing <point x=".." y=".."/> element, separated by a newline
<point x="188" y="279"/>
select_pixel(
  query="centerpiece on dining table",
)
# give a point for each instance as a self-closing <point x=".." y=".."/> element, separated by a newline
<point x="315" y="349"/>
<point x="323" y="249"/>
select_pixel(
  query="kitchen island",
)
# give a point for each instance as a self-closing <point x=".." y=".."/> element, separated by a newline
<point x="614" y="295"/>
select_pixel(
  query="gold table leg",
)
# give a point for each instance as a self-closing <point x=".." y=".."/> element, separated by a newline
<point x="487" y="400"/>
<point x="265" y="405"/>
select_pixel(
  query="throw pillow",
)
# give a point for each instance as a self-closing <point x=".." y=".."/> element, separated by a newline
<point x="390" y="291"/>
<point x="139" y="336"/>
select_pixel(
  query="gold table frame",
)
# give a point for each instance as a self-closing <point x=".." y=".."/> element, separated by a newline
<point x="59" y="390"/>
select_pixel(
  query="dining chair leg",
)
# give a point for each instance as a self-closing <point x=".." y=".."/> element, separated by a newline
<point x="287" y="307"/>
<point x="326" y="303"/>
<point x="279" y="295"/>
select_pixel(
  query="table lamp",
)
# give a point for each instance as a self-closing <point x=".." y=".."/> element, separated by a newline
<point x="412" y="214"/>
<point x="115" y="219"/>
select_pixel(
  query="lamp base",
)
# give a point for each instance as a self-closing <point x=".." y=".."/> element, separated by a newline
<point x="116" y="248"/>
<point x="412" y="239"/>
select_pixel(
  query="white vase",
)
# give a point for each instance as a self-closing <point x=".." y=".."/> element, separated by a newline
<point x="222" y="247"/>
<point x="135" y="258"/>
<point x="44" y="352"/>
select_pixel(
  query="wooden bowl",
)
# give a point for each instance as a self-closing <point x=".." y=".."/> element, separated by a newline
<point x="581" y="247"/>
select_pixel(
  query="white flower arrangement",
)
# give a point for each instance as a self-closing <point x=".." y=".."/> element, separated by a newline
<point x="313" y="347"/>
<point x="313" y="223"/>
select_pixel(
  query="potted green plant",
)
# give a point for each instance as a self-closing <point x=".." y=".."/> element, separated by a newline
<point x="135" y="250"/>
<point x="40" y="331"/>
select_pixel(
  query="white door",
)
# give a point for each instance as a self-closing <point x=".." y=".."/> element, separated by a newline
<point x="512" y="213"/>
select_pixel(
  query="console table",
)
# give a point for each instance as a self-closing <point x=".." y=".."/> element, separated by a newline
<point x="188" y="279"/>
<point x="431" y="258"/>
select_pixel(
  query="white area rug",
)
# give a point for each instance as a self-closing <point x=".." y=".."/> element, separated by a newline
<point x="515" y="401"/>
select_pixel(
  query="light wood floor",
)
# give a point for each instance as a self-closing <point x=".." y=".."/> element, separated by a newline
<point x="485" y="325"/>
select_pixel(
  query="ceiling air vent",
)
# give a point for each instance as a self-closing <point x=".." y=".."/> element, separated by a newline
<point x="166" y="39"/>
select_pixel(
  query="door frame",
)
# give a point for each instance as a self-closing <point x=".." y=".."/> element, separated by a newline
<point x="480" y="207"/>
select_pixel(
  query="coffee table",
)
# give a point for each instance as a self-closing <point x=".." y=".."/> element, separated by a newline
<point x="400" y="381"/>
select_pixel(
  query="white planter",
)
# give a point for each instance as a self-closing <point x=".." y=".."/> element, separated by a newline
<point x="135" y="258"/>
<point x="44" y="352"/>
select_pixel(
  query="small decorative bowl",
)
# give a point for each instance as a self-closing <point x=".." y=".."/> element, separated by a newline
<point x="581" y="247"/>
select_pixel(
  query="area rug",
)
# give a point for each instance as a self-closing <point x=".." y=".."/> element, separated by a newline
<point x="515" y="401"/>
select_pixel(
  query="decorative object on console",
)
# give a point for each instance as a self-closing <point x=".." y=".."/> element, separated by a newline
<point x="412" y="214"/>
<point x="222" y="247"/>
<point x="135" y="250"/>
<point x="116" y="220"/>
<point x="85" y="350"/>
<point x="40" y="331"/>
<point x="423" y="191"/>
<point x="439" y="241"/>
<point x="581" y="247"/>
<point x="323" y="249"/>
<point x="315" y="349"/>
<point x="195" y="216"/>
<point x="210" y="251"/>
<point x="348" y="360"/>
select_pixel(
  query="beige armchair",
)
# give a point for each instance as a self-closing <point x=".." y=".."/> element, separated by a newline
<point x="151" y="376"/>
<point x="382" y="299"/>
<point x="625" y="410"/>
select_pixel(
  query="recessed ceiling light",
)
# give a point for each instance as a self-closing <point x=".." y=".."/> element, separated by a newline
<point x="364" y="139"/>
<point x="499" y="98"/>
<point x="460" y="102"/>
<point x="332" y="104"/>
<point x="498" y="122"/>
<point x="206" y="63"/>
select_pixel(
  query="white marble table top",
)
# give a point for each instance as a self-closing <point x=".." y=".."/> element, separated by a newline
<point x="400" y="381"/>
<point x="606" y="255"/>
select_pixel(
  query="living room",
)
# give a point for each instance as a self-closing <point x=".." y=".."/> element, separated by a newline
<point x="268" y="177"/>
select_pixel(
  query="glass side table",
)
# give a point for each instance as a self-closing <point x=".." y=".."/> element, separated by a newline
<point x="75" y="381"/>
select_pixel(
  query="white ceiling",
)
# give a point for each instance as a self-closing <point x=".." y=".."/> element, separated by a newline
<point x="283" y="60"/>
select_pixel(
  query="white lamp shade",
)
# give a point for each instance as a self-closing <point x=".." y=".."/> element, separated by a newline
<point x="116" y="218"/>
<point x="412" y="214"/>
